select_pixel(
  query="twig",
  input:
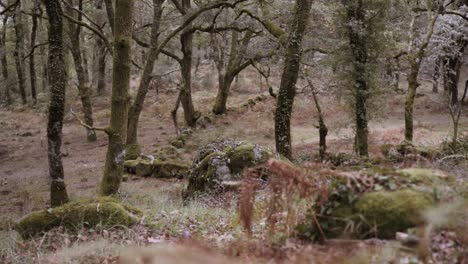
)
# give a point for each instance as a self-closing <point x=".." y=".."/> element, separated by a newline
<point x="103" y="129"/>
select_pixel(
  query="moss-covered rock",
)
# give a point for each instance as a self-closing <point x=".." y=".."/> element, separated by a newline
<point x="389" y="212"/>
<point x="132" y="151"/>
<point x="246" y="155"/>
<point x="145" y="167"/>
<point x="167" y="153"/>
<point x="103" y="211"/>
<point x="424" y="176"/>
<point x="169" y="169"/>
<point x="130" y="166"/>
<point x="221" y="162"/>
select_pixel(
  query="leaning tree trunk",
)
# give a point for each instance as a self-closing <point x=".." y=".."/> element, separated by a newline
<point x="58" y="192"/>
<point x="225" y="83"/>
<point x="287" y="89"/>
<point x="117" y="131"/>
<point x="4" y="60"/>
<point x="19" y="53"/>
<point x="137" y="106"/>
<point x="82" y="75"/>
<point x="32" y="64"/>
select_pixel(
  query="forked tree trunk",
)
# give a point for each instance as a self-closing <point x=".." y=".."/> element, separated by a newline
<point x="58" y="192"/>
<point x="32" y="64"/>
<point x="82" y="74"/>
<point x="117" y="130"/>
<point x="415" y="56"/>
<point x="225" y="83"/>
<point x="289" y="77"/>
<point x="19" y="52"/>
<point x="137" y="106"/>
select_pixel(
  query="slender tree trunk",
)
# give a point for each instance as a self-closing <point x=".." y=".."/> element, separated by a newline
<point x="32" y="65"/>
<point x="435" y="76"/>
<point x="117" y="131"/>
<point x="415" y="55"/>
<point x="110" y="14"/>
<point x="100" y="53"/>
<point x="19" y="52"/>
<point x="410" y="96"/>
<point x="186" y="40"/>
<point x="287" y="89"/>
<point x="82" y="75"/>
<point x="58" y="192"/>
<point x="137" y="106"/>
<point x="4" y="60"/>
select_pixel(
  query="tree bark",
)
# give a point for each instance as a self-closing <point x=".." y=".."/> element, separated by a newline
<point x="358" y="42"/>
<point x="19" y="52"/>
<point x="58" y="192"/>
<point x="289" y="77"/>
<point x="4" y="60"/>
<point x="82" y="75"/>
<point x="100" y="52"/>
<point x="32" y="64"/>
<point x="436" y="75"/>
<point x="415" y="56"/>
<point x="137" y="106"/>
<point x="186" y="41"/>
<point x="117" y="131"/>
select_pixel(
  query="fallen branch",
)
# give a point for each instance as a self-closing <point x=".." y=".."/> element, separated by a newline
<point x="103" y="129"/>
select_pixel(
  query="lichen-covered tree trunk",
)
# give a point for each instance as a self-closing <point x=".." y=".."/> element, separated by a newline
<point x="289" y="77"/>
<point x="32" y="64"/>
<point x="19" y="52"/>
<point x="452" y="67"/>
<point x="58" y="192"/>
<point x="4" y="60"/>
<point x="137" y="106"/>
<point x="82" y="74"/>
<point x="117" y="131"/>
<point x="358" y="43"/>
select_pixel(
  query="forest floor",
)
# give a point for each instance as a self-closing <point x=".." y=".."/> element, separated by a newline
<point x="204" y="228"/>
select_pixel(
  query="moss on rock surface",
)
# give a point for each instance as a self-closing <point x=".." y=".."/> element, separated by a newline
<point x="132" y="151"/>
<point x="246" y="155"/>
<point x="103" y="211"/>
<point x="220" y="162"/>
<point x="389" y="212"/>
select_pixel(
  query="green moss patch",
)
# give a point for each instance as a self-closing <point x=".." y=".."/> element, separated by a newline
<point x="103" y="211"/>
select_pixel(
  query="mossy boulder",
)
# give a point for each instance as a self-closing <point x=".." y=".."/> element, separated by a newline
<point x="165" y="163"/>
<point x="425" y="176"/>
<point x="132" y="151"/>
<point x="169" y="169"/>
<point x="246" y="155"/>
<point x="89" y="213"/>
<point x="389" y="212"/>
<point x="222" y="162"/>
<point x="377" y="203"/>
